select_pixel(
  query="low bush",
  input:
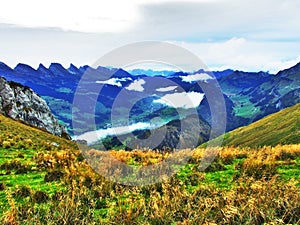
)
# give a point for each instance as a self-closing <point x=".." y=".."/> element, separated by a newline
<point x="15" y="165"/>
<point x="22" y="191"/>
<point x="2" y="186"/>
<point x="40" y="197"/>
<point x="53" y="175"/>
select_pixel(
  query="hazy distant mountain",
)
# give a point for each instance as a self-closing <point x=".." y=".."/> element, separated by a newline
<point x="150" y="72"/>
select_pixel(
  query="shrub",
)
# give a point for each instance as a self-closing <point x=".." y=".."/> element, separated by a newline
<point x="2" y="186"/>
<point x="53" y="175"/>
<point x="29" y="142"/>
<point x="21" y="156"/>
<point x="284" y="155"/>
<point x="6" y="144"/>
<point x="88" y="182"/>
<point x="100" y="203"/>
<point x="195" y="178"/>
<point x="22" y="170"/>
<point x="216" y="165"/>
<point x="22" y="191"/>
<point x="57" y="196"/>
<point x="40" y="197"/>
<point x="258" y="168"/>
<point x="15" y="165"/>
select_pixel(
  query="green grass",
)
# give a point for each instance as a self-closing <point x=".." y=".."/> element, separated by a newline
<point x="33" y="178"/>
<point x="291" y="171"/>
<point x="22" y="155"/>
<point x="279" y="128"/>
<point x="25" y="143"/>
<point x="221" y="179"/>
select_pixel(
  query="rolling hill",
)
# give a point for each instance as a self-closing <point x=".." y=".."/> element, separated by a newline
<point x="279" y="128"/>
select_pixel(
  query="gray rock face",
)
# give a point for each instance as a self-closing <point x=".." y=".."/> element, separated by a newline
<point x="21" y="103"/>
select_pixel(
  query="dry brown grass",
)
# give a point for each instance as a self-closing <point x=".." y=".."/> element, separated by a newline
<point x="255" y="198"/>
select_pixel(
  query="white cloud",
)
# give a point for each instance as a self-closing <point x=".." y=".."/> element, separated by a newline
<point x="181" y="100"/>
<point x="246" y="55"/>
<point x="75" y="15"/>
<point x="196" y="77"/>
<point x="93" y="136"/>
<point x="166" y="89"/>
<point x="114" y="81"/>
<point x="136" y="85"/>
<point x="82" y="16"/>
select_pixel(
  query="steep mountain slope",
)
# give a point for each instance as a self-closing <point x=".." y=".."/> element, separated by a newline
<point x="21" y="165"/>
<point x="21" y="103"/>
<point x="279" y="128"/>
<point x="280" y="92"/>
<point x="275" y="93"/>
<point x="239" y="80"/>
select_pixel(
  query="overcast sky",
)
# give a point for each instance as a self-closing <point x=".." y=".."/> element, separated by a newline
<point x="250" y="35"/>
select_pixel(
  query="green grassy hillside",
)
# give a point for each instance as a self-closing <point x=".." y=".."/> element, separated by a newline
<point x="20" y="146"/>
<point x="45" y="180"/>
<point x="279" y="128"/>
<point x="18" y="135"/>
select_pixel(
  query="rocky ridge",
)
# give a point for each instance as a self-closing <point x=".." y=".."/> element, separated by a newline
<point x="21" y="103"/>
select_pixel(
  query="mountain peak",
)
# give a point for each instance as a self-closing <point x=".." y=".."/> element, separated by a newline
<point x="58" y="69"/>
<point x="24" y="68"/>
<point x="56" y="65"/>
<point x="41" y="66"/>
<point x="289" y="71"/>
<point x="42" y="69"/>
<point x="3" y="66"/>
<point x="73" y="69"/>
<point x="72" y="66"/>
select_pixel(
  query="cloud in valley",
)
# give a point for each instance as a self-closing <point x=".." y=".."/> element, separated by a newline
<point x="166" y="89"/>
<point x="181" y="100"/>
<point x="136" y="85"/>
<point x="114" y="81"/>
<point x="196" y="77"/>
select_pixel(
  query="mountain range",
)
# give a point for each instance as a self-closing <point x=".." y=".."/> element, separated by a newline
<point x="248" y="96"/>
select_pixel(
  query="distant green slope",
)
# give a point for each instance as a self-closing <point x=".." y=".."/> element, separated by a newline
<point x="279" y="128"/>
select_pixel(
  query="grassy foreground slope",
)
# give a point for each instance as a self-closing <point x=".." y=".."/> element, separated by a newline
<point x="20" y="172"/>
<point x="45" y="180"/>
<point x="279" y="128"/>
